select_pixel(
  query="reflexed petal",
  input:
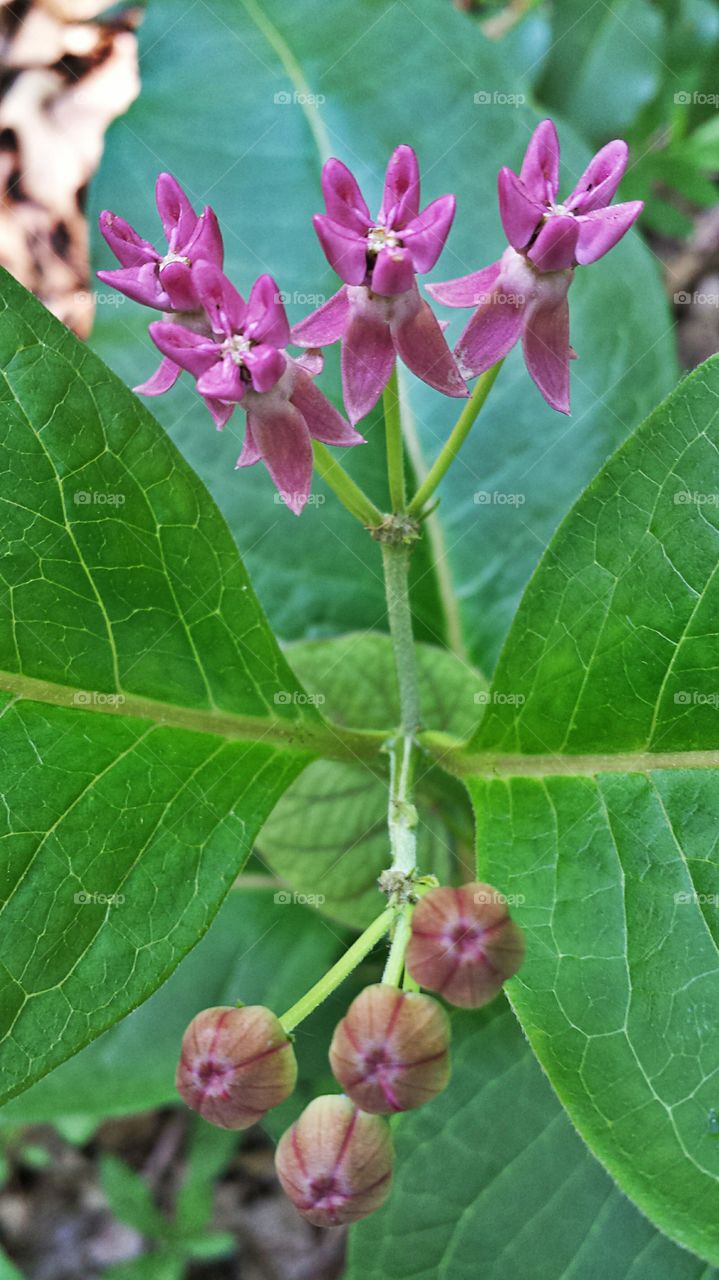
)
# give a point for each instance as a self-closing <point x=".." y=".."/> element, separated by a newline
<point x="466" y="291"/>
<point x="555" y="246"/>
<point x="600" y="179"/>
<point x="220" y="411"/>
<point x="176" y="280"/>
<point x="343" y="199"/>
<point x="281" y="435"/>
<point x="142" y="284"/>
<point x="192" y="351"/>
<point x="164" y="377"/>
<point x="393" y="272"/>
<point x="520" y="213"/>
<point x="225" y="307"/>
<point x="325" y="325"/>
<point x="311" y="360"/>
<point x="324" y="422"/>
<point x="546" y="352"/>
<point x="250" y="453"/>
<point x="423" y="347"/>
<point x="599" y="231"/>
<point x="206" y="240"/>
<point x="490" y="334"/>
<point x="400" y="202"/>
<point x="222" y="381"/>
<point x="266" y="365"/>
<point x="368" y="358"/>
<point x="345" y="250"/>
<point x="425" y="235"/>
<point x="540" y="168"/>
<point x="266" y="319"/>
<point x="176" y="213"/>
<point x="128" y="247"/>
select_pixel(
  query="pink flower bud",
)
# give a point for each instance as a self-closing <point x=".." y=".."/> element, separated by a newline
<point x="335" y="1163"/>
<point x="391" y="1050"/>
<point x="464" y="944"/>
<point x="235" y="1064"/>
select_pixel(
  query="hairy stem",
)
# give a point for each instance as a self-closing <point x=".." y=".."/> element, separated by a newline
<point x="339" y="971"/>
<point x="394" y="967"/>
<point x="455" y="440"/>
<point x="344" y="487"/>
<point x="395" y="448"/>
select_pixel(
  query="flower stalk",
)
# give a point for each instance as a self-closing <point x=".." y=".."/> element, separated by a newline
<point x="395" y="448"/>
<point x="353" y="498"/>
<point x="339" y="971"/>
<point x="455" y="440"/>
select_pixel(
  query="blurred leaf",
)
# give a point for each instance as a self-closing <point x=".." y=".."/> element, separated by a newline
<point x="158" y="1265"/>
<point x="215" y="1244"/>
<point x="210" y="1151"/>
<point x="328" y="836"/>
<point x="7" y="1270"/>
<point x="130" y="1200"/>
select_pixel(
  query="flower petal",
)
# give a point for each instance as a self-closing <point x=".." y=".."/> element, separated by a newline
<point x="142" y="284"/>
<point x="192" y="351"/>
<point x="220" y="410"/>
<point x="281" y="435"/>
<point x="490" y="334"/>
<point x="250" y="453"/>
<point x="600" y="230"/>
<point x="176" y="213"/>
<point x="520" y="212"/>
<point x="345" y="250"/>
<point x="393" y="272"/>
<point x="206" y="240"/>
<point x="324" y="422"/>
<point x="343" y="199"/>
<point x="222" y="381"/>
<point x="226" y="308"/>
<point x="266" y="365"/>
<point x="400" y="201"/>
<point x="164" y="377"/>
<point x="540" y="168"/>
<point x="128" y="247"/>
<point x="600" y="179"/>
<point x="466" y="291"/>
<point x="177" y="283"/>
<point x="546" y="352"/>
<point x="311" y="360"/>
<point x="555" y="246"/>
<point x="266" y="319"/>
<point x="420" y="342"/>
<point x="426" y="234"/>
<point x="325" y="325"/>
<point x="368" y="358"/>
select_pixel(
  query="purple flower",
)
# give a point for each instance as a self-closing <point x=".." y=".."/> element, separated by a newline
<point x="378" y="313"/>
<point x="240" y="358"/>
<point x="524" y="294"/>
<point x="163" y="281"/>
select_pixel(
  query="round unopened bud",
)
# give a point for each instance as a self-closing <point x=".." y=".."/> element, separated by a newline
<point x="235" y="1064"/>
<point x="335" y="1163"/>
<point x="390" y="1052"/>
<point x="464" y="944"/>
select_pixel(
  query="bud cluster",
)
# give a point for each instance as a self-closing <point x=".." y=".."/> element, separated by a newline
<point x="389" y="1053"/>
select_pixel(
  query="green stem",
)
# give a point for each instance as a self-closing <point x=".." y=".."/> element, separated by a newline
<point x="456" y="439"/>
<point x="339" y="971"/>
<point x="402" y="932"/>
<point x="395" y="446"/>
<point x="341" y="484"/>
<point x="395" y="561"/>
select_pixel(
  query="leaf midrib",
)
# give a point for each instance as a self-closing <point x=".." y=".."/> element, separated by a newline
<point x="488" y="764"/>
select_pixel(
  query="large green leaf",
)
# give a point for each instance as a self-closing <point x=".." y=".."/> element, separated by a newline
<point x="597" y="798"/>
<point x="328" y="835"/>
<point x="377" y="74"/>
<point x="137" y="668"/>
<point x="492" y="1181"/>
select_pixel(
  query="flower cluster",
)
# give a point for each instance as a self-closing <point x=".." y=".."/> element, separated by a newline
<point x="236" y="349"/>
<point x="389" y="1053"/>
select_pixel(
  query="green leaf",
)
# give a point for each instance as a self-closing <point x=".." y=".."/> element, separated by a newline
<point x="328" y="835"/>
<point x="518" y="1192"/>
<point x="137" y="666"/>
<point x="130" y="1200"/>
<point x="257" y="160"/>
<point x="7" y="1270"/>
<point x="597" y="798"/>
<point x="240" y="957"/>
